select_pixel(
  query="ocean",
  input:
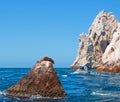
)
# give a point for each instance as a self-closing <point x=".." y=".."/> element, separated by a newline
<point x="80" y="87"/>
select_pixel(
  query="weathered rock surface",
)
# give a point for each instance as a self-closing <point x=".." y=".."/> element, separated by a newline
<point x="93" y="45"/>
<point x="41" y="81"/>
<point x="82" y="51"/>
<point x="111" y="57"/>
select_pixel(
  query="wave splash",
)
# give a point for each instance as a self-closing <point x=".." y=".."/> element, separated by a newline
<point x="105" y="93"/>
<point x="2" y="93"/>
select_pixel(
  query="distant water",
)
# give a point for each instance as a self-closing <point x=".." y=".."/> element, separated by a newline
<point x="80" y="87"/>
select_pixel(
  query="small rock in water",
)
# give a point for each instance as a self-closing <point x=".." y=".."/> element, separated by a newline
<point x="42" y="81"/>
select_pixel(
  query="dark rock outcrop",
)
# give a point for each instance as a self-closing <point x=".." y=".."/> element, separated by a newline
<point x="92" y="45"/>
<point x="41" y="81"/>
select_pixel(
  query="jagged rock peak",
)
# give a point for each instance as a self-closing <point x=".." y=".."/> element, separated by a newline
<point x="83" y="42"/>
<point x="104" y="22"/>
<point x="93" y="45"/>
<point x="101" y="33"/>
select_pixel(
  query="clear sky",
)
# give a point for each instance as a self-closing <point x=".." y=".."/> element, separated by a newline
<point x="31" y="29"/>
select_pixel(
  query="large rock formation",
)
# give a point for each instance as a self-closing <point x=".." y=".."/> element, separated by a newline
<point x="41" y="81"/>
<point x="111" y="57"/>
<point x="93" y="45"/>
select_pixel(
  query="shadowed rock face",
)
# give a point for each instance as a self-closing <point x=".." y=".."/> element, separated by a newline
<point x="42" y="81"/>
<point x="92" y="45"/>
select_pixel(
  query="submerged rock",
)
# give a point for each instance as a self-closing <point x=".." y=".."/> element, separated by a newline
<point x="41" y="81"/>
<point x="92" y="45"/>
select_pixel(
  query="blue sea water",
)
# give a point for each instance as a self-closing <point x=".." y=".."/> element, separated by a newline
<point x="80" y="87"/>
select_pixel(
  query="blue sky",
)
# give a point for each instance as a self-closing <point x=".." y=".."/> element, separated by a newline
<point x="31" y="29"/>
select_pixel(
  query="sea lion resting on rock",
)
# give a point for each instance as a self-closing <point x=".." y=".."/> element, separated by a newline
<point x="41" y="81"/>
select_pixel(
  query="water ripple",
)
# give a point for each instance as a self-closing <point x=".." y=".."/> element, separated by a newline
<point x="80" y="87"/>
